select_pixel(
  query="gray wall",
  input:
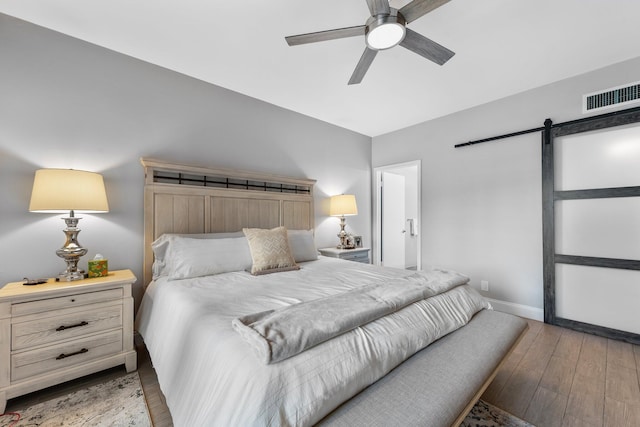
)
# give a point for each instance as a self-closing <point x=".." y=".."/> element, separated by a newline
<point x="481" y="205"/>
<point x="65" y="103"/>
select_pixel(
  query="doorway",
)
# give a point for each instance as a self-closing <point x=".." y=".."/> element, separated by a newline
<point x="397" y="210"/>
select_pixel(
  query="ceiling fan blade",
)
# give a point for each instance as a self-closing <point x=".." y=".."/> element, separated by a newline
<point x="379" y="7"/>
<point x="321" y="36"/>
<point x="363" y="65"/>
<point x="425" y="47"/>
<point x="418" y="8"/>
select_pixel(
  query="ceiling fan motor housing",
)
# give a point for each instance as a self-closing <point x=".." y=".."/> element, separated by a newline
<point x="385" y="31"/>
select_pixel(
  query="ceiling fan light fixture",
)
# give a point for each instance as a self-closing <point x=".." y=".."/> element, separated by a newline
<point x="384" y="29"/>
<point x="385" y="32"/>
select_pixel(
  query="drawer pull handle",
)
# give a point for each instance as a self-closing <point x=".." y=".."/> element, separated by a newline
<point x="62" y="328"/>
<point x="62" y="356"/>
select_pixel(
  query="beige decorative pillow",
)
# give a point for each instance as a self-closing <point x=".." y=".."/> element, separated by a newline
<point x="270" y="250"/>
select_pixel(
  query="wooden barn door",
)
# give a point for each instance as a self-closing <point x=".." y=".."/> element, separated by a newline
<point x="591" y="225"/>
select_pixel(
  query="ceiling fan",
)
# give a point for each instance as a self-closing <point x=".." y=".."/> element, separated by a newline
<point x="386" y="28"/>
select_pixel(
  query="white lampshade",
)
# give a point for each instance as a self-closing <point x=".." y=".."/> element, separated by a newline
<point x="60" y="190"/>
<point x="343" y="205"/>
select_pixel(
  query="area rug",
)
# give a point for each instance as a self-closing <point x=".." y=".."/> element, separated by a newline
<point x="485" y="415"/>
<point x="118" y="402"/>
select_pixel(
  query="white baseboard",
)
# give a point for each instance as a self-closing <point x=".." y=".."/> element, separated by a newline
<point x="518" y="309"/>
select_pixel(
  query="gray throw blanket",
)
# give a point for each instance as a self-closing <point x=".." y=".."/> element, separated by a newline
<point x="279" y="334"/>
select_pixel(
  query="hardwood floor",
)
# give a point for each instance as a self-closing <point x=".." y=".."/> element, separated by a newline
<point x="555" y="377"/>
<point x="559" y="377"/>
<point x="160" y="415"/>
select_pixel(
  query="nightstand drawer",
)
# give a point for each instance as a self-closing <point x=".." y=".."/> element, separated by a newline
<point x="357" y="256"/>
<point x="48" y="359"/>
<point x="65" y="302"/>
<point x="55" y="326"/>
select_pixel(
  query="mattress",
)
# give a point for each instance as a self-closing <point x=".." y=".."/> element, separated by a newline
<point x="211" y="376"/>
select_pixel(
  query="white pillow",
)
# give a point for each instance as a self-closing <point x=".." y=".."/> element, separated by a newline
<point x="303" y="248"/>
<point x="186" y="257"/>
<point x="301" y="244"/>
<point x="161" y="245"/>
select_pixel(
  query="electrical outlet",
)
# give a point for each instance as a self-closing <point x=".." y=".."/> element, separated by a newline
<point x="484" y="285"/>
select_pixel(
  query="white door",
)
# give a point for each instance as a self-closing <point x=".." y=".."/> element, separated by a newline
<point x="393" y="220"/>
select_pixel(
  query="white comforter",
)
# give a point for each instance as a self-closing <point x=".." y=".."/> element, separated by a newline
<point x="210" y="376"/>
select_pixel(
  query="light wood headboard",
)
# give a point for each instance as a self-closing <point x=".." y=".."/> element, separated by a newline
<point x="190" y="199"/>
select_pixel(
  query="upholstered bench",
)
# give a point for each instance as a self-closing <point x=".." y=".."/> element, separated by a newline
<point x="440" y="384"/>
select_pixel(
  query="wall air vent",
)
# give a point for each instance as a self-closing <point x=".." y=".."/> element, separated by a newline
<point x="627" y="95"/>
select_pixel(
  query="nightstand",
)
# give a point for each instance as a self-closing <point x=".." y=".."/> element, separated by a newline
<point x="357" y="254"/>
<point x="58" y="331"/>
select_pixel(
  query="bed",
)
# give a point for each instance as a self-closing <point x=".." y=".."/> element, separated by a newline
<point x="235" y="348"/>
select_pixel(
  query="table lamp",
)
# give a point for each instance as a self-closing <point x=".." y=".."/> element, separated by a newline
<point x="343" y="205"/>
<point x="61" y="190"/>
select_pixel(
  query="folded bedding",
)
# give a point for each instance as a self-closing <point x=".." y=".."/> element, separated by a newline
<point x="279" y="334"/>
<point x="211" y="376"/>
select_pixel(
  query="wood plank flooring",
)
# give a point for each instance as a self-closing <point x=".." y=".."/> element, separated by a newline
<point x="560" y="377"/>
<point x="555" y="377"/>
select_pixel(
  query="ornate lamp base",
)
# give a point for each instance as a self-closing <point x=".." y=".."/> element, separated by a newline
<point x="344" y="236"/>
<point x="71" y="251"/>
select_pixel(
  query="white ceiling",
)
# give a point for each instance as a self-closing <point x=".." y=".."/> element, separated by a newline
<point x="502" y="47"/>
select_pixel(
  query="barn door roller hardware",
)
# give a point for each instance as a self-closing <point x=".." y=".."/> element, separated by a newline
<point x="550" y="125"/>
